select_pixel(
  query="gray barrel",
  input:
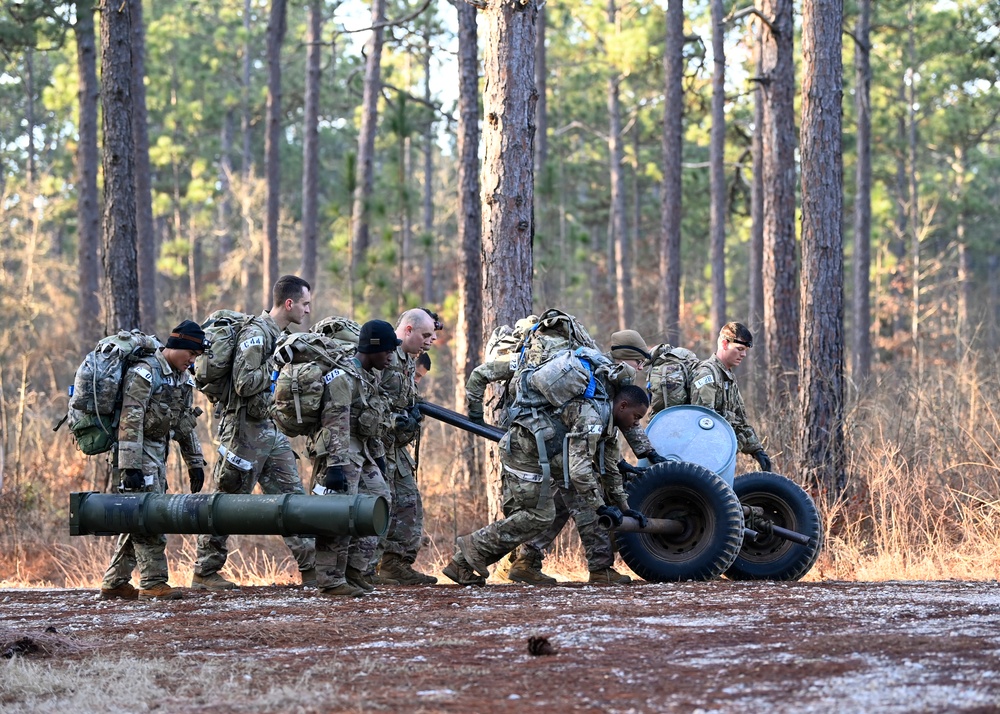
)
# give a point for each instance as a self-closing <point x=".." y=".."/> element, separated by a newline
<point x="696" y="435"/>
<point x="93" y="513"/>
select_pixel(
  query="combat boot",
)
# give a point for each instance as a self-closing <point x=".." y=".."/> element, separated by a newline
<point x="125" y="591"/>
<point x="342" y="590"/>
<point x="213" y="582"/>
<point x="308" y="577"/>
<point x="472" y="557"/>
<point x="394" y="567"/>
<point x="502" y="569"/>
<point x="160" y="591"/>
<point x="527" y="568"/>
<point x="461" y="573"/>
<point x="356" y="578"/>
<point x="608" y="576"/>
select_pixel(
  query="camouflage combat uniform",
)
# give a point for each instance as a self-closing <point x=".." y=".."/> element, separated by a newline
<point x="252" y="449"/>
<point x="528" y="493"/>
<point x="406" y="526"/>
<point x="354" y="421"/>
<point x="713" y="386"/>
<point x="156" y="406"/>
<point x="484" y="375"/>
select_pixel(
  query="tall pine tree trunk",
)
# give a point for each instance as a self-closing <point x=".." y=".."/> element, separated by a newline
<point x="821" y="400"/>
<point x="88" y="211"/>
<point x="673" y="120"/>
<point x="757" y="359"/>
<point x="863" y="196"/>
<point x="366" y="152"/>
<point x="618" y="233"/>
<point x="507" y="173"/>
<point x="781" y="302"/>
<point x="717" y="170"/>
<point x="247" y="274"/>
<point x="427" y="214"/>
<point x="276" y="27"/>
<point x="145" y="235"/>
<point x="122" y="292"/>
<point x="310" y="144"/>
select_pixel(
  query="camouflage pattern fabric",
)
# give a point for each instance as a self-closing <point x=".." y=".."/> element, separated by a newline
<point x="713" y="386"/>
<point x="484" y="375"/>
<point x="252" y="366"/>
<point x="156" y="403"/>
<point x="255" y="452"/>
<point x="597" y="544"/>
<point x="353" y="425"/>
<point x="406" y="525"/>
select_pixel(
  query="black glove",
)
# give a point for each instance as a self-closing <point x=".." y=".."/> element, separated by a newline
<point x="133" y="480"/>
<point x="416" y="414"/>
<point x="380" y="462"/>
<point x="477" y="418"/>
<point x="654" y="457"/>
<point x="626" y="468"/>
<point x="763" y="459"/>
<point x="632" y="513"/>
<point x="335" y="480"/>
<point x="612" y="512"/>
<point x="197" y="477"/>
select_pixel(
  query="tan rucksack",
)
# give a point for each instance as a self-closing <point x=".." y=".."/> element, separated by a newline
<point x="668" y="377"/>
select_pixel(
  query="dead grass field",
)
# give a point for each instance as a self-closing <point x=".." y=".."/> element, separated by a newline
<point x="687" y="647"/>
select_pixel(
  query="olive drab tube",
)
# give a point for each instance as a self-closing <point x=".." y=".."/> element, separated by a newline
<point x="93" y="513"/>
<point x="452" y="418"/>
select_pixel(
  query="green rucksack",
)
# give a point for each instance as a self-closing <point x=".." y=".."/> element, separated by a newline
<point x="95" y="402"/>
<point x="669" y="377"/>
<point x="554" y="331"/>
<point x="342" y="330"/>
<point x="213" y="368"/>
<point x="306" y="362"/>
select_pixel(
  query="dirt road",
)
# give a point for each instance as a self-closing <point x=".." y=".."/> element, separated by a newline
<point x="688" y="647"/>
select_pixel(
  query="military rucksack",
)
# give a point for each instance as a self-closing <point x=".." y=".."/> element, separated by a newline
<point x="554" y="331"/>
<point x="95" y="401"/>
<point x="669" y="377"/>
<point x="306" y="362"/>
<point x="213" y="368"/>
<point x="342" y="330"/>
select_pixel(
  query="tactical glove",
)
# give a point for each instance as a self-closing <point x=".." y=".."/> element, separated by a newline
<point x="380" y="462"/>
<point x="763" y="459"/>
<point x="133" y="480"/>
<point x="632" y="513"/>
<point x="654" y="457"/>
<point x="476" y="417"/>
<point x="626" y="468"/>
<point x="416" y="414"/>
<point x="197" y="478"/>
<point x="335" y="480"/>
<point x="612" y="512"/>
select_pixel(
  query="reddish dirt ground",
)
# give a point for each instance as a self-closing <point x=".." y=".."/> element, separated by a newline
<point x="685" y="647"/>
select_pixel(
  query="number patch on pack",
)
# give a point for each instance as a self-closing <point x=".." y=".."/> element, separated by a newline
<point x="257" y="341"/>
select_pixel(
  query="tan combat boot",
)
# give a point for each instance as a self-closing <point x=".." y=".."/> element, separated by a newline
<point x="502" y="569"/>
<point x="308" y="577"/>
<point x="527" y="568"/>
<point x="160" y="591"/>
<point x="608" y="576"/>
<point x="213" y="582"/>
<point x="395" y="568"/>
<point x="459" y="571"/>
<point x="342" y="590"/>
<point x="356" y="578"/>
<point x="125" y="591"/>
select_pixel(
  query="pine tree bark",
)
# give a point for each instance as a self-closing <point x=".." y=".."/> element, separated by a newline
<point x="717" y="171"/>
<point x="366" y="151"/>
<point x="781" y="303"/>
<point x="145" y="235"/>
<point x="276" y="27"/>
<point x="427" y="214"/>
<point x="122" y="306"/>
<point x="247" y="272"/>
<point x="821" y="399"/>
<point x="87" y="161"/>
<point x="507" y="173"/>
<point x="310" y="143"/>
<point x="756" y="361"/>
<point x="862" y="196"/>
<point x="670" y="225"/>
<point x="618" y="234"/>
<point x="469" y="328"/>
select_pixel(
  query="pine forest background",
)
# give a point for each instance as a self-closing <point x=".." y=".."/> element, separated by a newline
<point x="265" y="140"/>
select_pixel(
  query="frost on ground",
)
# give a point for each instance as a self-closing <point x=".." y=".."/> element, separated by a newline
<point x="685" y="647"/>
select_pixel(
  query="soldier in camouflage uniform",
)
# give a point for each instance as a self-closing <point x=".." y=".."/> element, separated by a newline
<point x="348" y="456"/>
<point x="251" y="447"/>
<point x="713" y="385"/>
<point x="499" y="369"/>
<point x="590" y="426"/>
<point x="398" y="551"/>
<point x="627" y="347"/>
<point x="157" y="393"/>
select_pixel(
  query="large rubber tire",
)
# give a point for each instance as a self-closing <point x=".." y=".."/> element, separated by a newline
<point x="785" y="504"/>
<point x="704" y="502"/>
